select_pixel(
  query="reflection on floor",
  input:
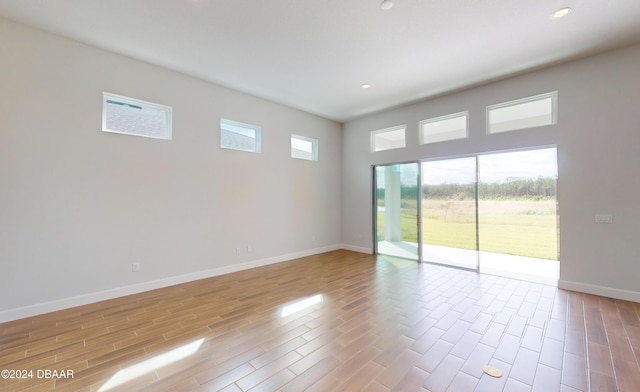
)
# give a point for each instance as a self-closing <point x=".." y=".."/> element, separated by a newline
<point x="518" y="267"/>
<point x="456" y="257"/>
<point x="404" y="249"/>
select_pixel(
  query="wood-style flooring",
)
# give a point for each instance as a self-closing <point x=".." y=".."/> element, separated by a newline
<point x="373" y="324"/>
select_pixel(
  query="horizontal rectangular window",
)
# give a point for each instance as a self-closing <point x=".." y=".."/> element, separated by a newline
<point x="449" y="127"/>
<point x="238" y="136"/>
<point x="304" y="148"/>
<point x="523" y="113"/>
<point x="388" y="138"/>
<point x="135" y="117"/>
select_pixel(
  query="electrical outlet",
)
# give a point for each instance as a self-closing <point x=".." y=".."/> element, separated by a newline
<point x="238" y="251"/>
<point x="135" y="267"/>
<point x="249" y="248"/>
<point x="604" y="218"/>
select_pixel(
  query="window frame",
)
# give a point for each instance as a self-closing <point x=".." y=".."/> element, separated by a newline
<point x="136" y="103"/>
<point x="554" y="111"/>
<point x="257" y="129"/>
<point x="421" y="136"/>
<point x="388" y="130"/>
<point x="314" y="146"/>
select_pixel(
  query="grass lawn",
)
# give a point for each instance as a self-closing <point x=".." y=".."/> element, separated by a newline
<point x="523" y="228"/>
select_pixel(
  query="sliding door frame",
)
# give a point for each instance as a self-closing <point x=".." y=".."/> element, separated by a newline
<point x="374" y="204"/>
<point x="477" y="184"/>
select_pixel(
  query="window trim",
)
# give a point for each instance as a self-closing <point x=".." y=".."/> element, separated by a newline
<point x="314" y="146"/>
<point x="443" y="118"/>
<point x="386" y="130"/>
<point x="554" y="110"/>
<point x="256" y="128"/>
<point x="138" y="103"/>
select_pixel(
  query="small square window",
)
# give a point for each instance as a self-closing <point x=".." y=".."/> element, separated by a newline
<point x="388" y="138"/>
<point x="304" y="148"/>
<point x="238" y="136"/>
<point x="523" y="113"/>
<point x="439" y="129"/>
<point x="135" y="117"/>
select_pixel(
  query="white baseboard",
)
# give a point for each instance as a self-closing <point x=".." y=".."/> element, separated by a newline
<point x="65" y="303"/>
<point x="359" y="249"/>
<point x="626" y="295"/>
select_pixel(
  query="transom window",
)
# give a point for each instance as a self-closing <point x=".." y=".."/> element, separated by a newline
<point x="135" y="117"/>
<point x="523" y="113"/>
<point x="239" y="136"/>
<point x="388" y="138"/>
<point x="449" y="127"/>
<point x="303" y="147"/>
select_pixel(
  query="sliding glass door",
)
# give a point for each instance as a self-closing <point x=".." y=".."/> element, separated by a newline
<point x="494" y="212"/>
<point x="397" y="197"/>
<point x="518" y="214"/>
<point x="449" y="225"/>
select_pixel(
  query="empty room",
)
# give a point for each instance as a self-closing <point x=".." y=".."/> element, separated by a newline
<point x="278" y="195"/>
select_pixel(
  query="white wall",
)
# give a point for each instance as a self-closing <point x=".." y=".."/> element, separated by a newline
<point x="598" y="140"/>
<point x="78" y="206"/>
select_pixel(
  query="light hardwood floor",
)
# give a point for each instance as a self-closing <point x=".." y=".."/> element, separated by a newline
<point x="383" y="324"/>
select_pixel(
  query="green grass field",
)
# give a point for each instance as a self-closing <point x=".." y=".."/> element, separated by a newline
<point x="523" y="228"/>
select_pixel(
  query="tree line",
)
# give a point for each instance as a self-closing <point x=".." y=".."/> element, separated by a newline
<point x="541" y="188"/>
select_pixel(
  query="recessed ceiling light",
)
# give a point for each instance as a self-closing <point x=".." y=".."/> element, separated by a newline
<point x="386" y="5"/>
<point x="561" y="12"/>
<point x="366" y="85"/>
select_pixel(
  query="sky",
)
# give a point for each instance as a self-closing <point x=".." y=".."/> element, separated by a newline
<point x="493" y="168"/>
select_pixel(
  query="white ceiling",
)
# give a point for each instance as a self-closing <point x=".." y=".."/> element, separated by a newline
<point x="315" y="54"/>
